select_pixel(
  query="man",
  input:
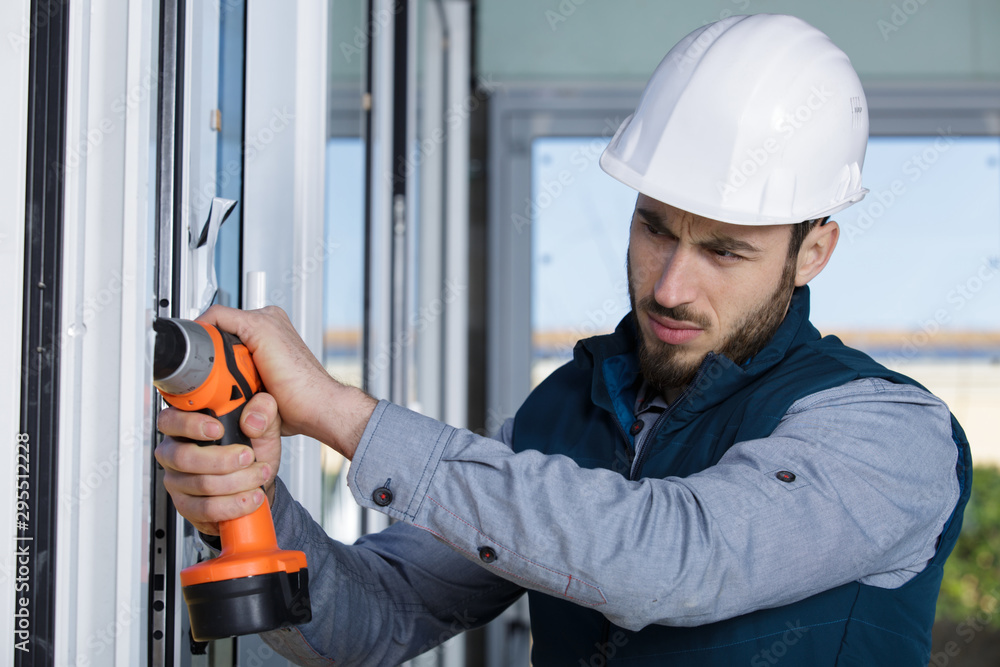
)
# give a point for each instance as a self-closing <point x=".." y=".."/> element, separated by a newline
<point x="712" y="484"/>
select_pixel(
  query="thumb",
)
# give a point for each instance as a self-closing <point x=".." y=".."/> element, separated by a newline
<point x="260" y="417"/>
<point x="261" y="422"/>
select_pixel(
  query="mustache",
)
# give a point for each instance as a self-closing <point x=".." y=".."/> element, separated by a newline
<point x="679" y="313"/>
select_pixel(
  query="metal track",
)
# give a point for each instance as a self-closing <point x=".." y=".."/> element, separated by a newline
<point x="163" y="595"/>
<point x="37" y="440"/>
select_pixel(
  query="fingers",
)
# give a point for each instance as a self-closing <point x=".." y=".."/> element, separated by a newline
<point x="209" y="484"/>
<point x="193" y="425"/>
<point x="228" y="319"/>
<point x="248" y="324"/>
<point x="189" y="457"/>
<point x="205" y="512"/>
<point x="288" y="369"/>
<point x="239" y="484"/>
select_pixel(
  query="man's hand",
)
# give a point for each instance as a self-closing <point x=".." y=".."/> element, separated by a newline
<point x="309" y="400"/>
<point x="287" y="367"/>
<point x="209" y="484"/>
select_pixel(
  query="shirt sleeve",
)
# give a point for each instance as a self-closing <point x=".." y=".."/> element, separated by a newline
<point x="874" y="482"/>
<point x="390" y="596"/>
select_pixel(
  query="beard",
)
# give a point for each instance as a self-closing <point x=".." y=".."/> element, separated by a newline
<point x="662" y="364"/>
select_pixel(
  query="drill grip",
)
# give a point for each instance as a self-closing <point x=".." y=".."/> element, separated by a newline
<point x="231" y="346"/>
<point x="233" y="435"/>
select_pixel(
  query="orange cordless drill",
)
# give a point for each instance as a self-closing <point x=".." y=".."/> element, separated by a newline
<point x="252" y="586"/>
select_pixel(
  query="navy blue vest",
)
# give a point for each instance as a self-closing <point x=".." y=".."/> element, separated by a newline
<point x="580" y="410"/>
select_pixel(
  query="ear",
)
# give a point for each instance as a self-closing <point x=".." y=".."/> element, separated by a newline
<point x="815" y="252"/>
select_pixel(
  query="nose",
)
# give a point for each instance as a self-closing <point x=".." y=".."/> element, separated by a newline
<point x="678" y="282"/>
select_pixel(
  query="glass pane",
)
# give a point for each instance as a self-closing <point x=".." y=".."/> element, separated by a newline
<point x="344" y="268"/>
<point x="580" y="221"/>
<point x="344" y="259"/>
<point x="229" y="165"/>
<point x="912" y="280"/>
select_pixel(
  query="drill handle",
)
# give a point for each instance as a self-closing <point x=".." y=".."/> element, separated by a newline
<point x="245" y="383"/>
<point x="233" y="435"/>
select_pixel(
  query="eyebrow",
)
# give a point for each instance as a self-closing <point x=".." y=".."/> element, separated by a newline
<point x="715" y="242"/>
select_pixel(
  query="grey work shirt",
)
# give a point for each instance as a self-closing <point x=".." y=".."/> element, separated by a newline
<point x="875" y="483"/>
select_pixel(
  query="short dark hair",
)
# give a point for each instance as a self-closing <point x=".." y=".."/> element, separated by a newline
<point x="799" y="233"/>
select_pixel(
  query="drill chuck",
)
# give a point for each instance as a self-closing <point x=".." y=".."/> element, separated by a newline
<point x="170" y="349"/>
<point x="183" y="357"/>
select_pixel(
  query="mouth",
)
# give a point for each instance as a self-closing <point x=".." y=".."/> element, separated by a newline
<point x="673" y="332"/>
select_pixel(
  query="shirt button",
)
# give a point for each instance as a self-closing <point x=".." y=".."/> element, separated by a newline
<point x="382" y="496"/>
<point x="636" y="427"/>
<point x="487" y="554"/>
<point x="785" y="476"/>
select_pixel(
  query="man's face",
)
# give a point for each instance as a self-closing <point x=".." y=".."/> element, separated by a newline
<point x="699" y="285"/>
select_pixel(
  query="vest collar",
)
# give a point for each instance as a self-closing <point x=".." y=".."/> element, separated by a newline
<point x="614" y="388"/>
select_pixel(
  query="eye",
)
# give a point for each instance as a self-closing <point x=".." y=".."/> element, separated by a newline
<point x="659" y="233"/>
<point x="726" y="256"/>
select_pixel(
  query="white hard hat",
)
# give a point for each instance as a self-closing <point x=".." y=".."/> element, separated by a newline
<point x="752" y="120"/>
